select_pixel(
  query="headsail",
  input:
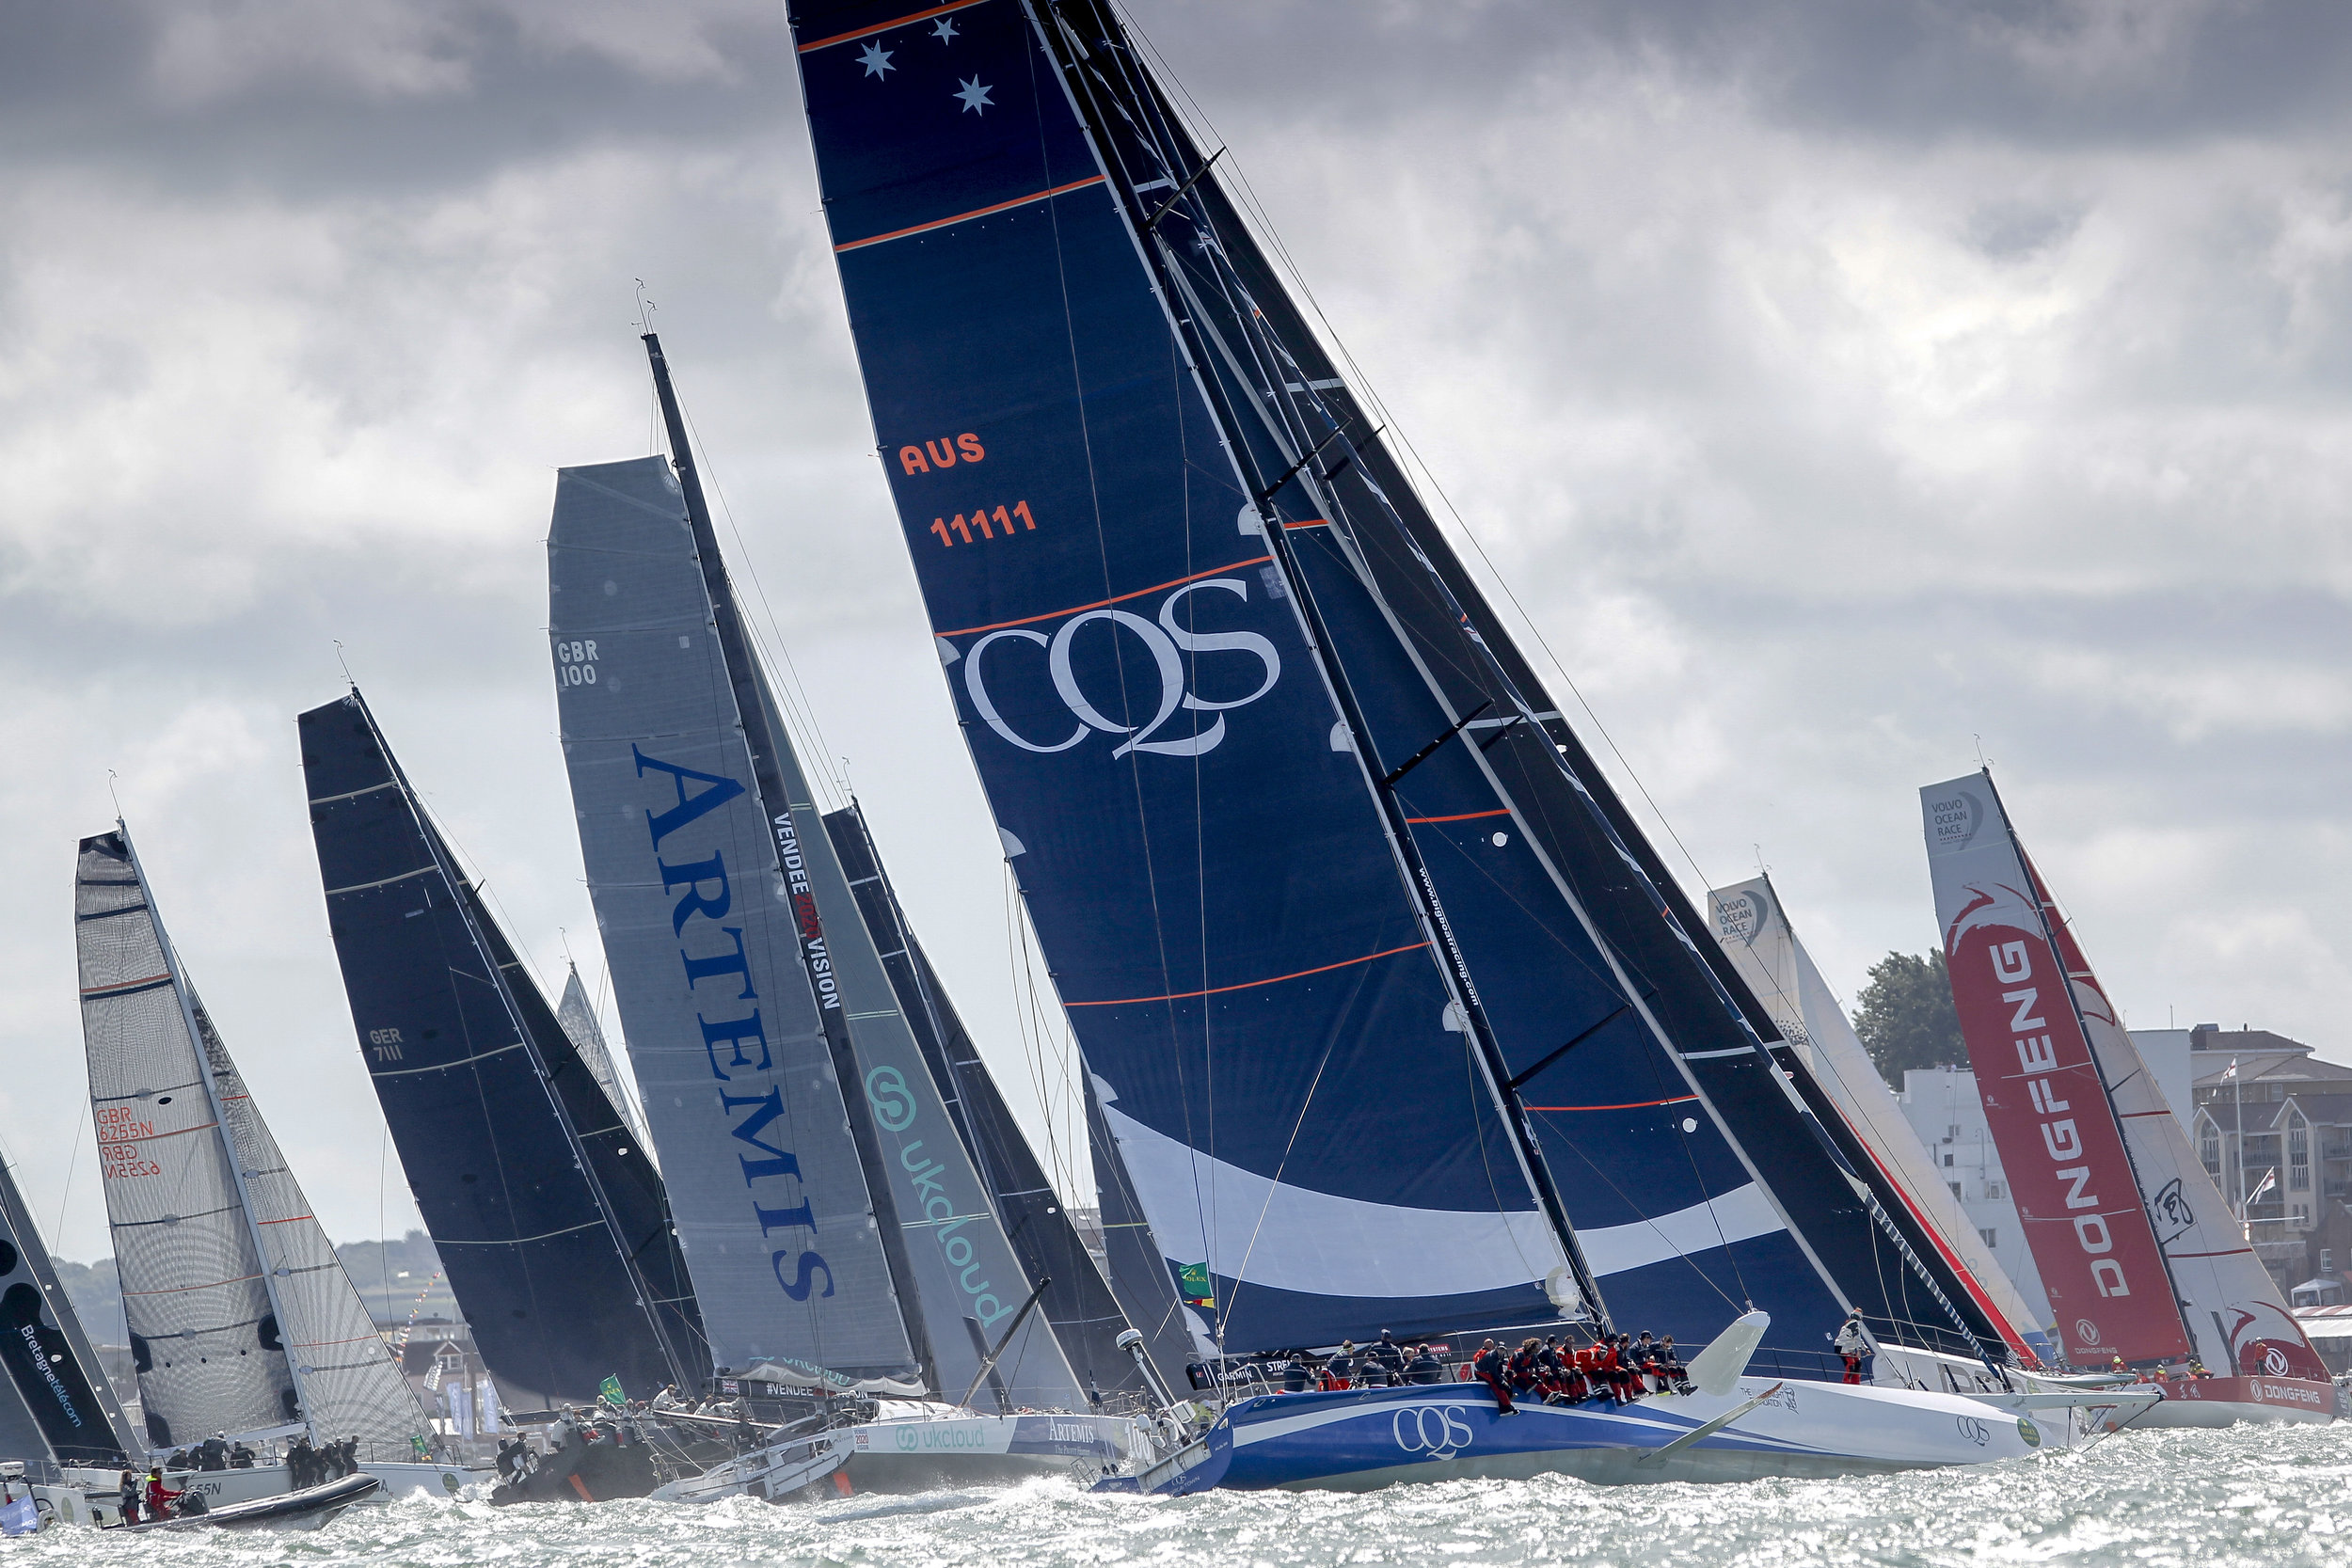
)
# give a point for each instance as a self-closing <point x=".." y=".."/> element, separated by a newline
<point x="1751" y="926"/>
<point x="550" y="1220"/>
<point x="241" y="1315"/>
<point x="62" y="1402"/>
<point x="2137" y="1251"/>
<point x="580" y="1026"/>
<point x="1077" y="1301"/>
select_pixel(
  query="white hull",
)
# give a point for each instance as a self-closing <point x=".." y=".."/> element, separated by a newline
<point x="223" y="1487"/>
<point x="919" y="1446"/>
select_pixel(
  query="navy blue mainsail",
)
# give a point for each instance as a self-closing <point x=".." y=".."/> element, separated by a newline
<point x="1077" y="1300"/>
<point x="1697" y="1170"/>
<point x="553" y="1223"/>
<point x="61" y="1402"/>
<point x="1248" y="979"/>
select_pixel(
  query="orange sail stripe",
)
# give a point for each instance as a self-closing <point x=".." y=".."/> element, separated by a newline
<point x="1246" y="985"/>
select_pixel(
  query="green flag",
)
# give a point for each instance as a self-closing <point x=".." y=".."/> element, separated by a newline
<point x="609" y="1391"/>
<point x="1194" y="1279"/>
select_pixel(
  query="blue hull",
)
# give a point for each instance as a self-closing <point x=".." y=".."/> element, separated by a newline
<point x="1366" y="1438"/>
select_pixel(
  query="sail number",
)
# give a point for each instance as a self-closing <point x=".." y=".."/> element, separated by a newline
<point x="120" y="1130"/>
<point x="386" y="1044"/>
<point x="575" y="661"/>
<point x="963" y="524"/>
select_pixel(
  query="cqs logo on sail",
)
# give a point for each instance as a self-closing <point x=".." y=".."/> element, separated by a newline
<point x="1162" y="640"/>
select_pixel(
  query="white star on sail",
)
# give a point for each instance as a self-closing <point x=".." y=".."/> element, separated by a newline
<point x="876" y="60"/>
<point x="975" y="97"/>
<point x="943" y="29"/>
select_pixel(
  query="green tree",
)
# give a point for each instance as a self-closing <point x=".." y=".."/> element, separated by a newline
<point x="1906" y="1018"/>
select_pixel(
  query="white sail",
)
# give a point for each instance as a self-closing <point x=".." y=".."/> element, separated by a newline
<point x="241" y="1315"/>
<point x="1754" y="931"/>
<point x="580" y="1026"/>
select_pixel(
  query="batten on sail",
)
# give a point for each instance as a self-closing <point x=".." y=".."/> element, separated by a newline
<point x="548" y="1216"/>
<point x="241" y="1315"/>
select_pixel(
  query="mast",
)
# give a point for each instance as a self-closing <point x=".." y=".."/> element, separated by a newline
<point x="753" y="712"/>
<point x="198" y="1037"/>
<point x="445" y="863"/>
<point x="1420" y="890"/>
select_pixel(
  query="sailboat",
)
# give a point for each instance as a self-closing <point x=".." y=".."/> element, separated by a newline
<point x="1392" y="1015"/>
<point x="546" y="1209"/>
<point x="2143" y="1261"/>
<point x="839" y="1232"/>
<point x="1751" y="925"/>
<point x="242" y="1319"/>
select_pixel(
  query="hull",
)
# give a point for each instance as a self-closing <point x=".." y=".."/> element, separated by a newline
<point x="1378" y="1437"/>
<point x="923" y="1453"/>
<point x="229" y="1488"/>
<point x="308" y="1509"/>
<point x="2220" y="1401"/>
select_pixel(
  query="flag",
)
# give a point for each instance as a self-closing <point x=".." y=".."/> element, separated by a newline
<point x="1193" y="1285"/>
<point x="609" y="1391"/>
<point x="2231" y="1072"/>
<point x="2270" y="1179"/>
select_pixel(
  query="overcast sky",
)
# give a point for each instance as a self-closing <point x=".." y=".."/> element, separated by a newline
<point x="1835" y="385"/>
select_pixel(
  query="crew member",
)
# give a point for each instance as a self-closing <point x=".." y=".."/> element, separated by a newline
<point x="159" y="1496"/>
<point x="1340" y="1371"/>
<point x="1295" y="1373"/>
<point x="1386" y="1351"/>
<point x="1424" y="1366"/>
<point x="1853" y="1343"/>
<point x="1489" y="1366"/>
<point x="130" y="1497"/>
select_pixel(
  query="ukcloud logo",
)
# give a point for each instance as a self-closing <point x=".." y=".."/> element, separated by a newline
<point x="886" y="1092"/>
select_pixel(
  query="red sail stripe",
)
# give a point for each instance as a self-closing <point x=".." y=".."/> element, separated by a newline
<point x="1246" y="985"/>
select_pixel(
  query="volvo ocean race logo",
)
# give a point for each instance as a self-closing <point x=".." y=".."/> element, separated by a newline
<point x="1741" y="915"/>
<point x="1437" y="1431"/>
<point x="1164" y="640"/>
<point x="1952" y="821"/>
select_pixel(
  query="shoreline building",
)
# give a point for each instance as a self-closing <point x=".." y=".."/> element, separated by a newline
<point x="2278" y="1130"/>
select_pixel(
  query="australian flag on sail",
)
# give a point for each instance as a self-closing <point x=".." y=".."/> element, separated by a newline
<point x="1251" y="987"/>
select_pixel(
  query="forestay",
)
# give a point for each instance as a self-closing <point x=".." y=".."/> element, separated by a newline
<point x="548" y="1218"/>
<point x="579" y="1023"/>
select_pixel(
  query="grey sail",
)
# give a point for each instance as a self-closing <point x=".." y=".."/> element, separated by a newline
<point x="62" y="1408"/>
<point x="1132" y="1256"/>
<point x="954" y="1279"/>
<point x="206" y="1341"/>
<point x="577" y="1020"/>
<point x="241" y="1316"/>
<point x="732" y="1067"/>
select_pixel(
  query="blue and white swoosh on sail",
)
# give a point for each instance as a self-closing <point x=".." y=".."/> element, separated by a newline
<point x="1291" y="1238"/>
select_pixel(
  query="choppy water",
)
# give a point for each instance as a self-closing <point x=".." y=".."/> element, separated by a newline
<point x="2273" y="1497"/>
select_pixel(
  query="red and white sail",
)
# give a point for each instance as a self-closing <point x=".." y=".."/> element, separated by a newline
<point x="1753" y="927"/>
<point x="2060" y="1145"/>
<point x="2139" y="1253"/>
